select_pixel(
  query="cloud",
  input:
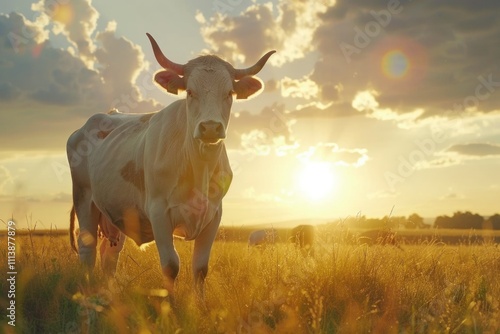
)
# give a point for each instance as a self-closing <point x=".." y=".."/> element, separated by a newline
<point x="476" y="149"/>
<point x="76" y="20"/>
<point x="318" y="109"/>
<point x="452" y="195"/>
<point x="48" y="92"/>
<point x="251" y="194"/>
<point x="5" y="177"/>
<point x="259" y="143"/>
<point x="419" y="67"/>
<point x="287" y="26"/>
<point x="303" y="88"/>
<point x="263" y="133"/>
<point x="440" y="162"/>
<point x="22" y="35"/>
<point x="122" y="61"/>
<point x="459" y="154"/>
<point x="271" y="86"/>
<point x="365" y="101"/>
<point x="427" y="56"/>
<point x="270" y="133"/>
<point x="8" y="92"/>
<point x="331" y="152"/>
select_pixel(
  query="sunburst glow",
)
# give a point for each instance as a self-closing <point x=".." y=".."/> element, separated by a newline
<point x="63" y="13"/>
<point x="316" y="181"/>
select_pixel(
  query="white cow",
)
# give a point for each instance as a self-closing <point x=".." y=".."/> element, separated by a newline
<point x="152" y="176"/>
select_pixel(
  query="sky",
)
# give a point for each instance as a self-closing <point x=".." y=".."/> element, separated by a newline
<point x="369" y="108"/>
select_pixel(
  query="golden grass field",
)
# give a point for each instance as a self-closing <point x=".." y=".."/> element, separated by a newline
<point x="429" y="287"/>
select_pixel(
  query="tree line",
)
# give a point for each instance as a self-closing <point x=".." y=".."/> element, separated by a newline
<point x="459" y="220"/>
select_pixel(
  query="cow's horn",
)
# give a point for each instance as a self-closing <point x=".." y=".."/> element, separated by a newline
<point x="240" y="73"/>
<point x="164" y="61"/>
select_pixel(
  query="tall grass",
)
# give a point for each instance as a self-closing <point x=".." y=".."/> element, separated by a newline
<point x="342" y="289"/>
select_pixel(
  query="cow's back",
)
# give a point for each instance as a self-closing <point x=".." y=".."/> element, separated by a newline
<point x="82" y="144"/>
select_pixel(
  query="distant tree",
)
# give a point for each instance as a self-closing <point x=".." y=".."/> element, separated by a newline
<point x="493" y="222"/>
<point x="415" y="221"/>
<point x="442" y="222"/>
<point x="467" y="220"/>
<point x="461" y="220"/>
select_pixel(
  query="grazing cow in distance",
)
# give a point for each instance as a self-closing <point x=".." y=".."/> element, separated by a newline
<point x="303" y="238"/>
<point x="152" y="176"/>
<point x="262" y="237"/>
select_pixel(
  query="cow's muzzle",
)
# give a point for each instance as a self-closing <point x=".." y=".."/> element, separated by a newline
<point x="210" y="132"/>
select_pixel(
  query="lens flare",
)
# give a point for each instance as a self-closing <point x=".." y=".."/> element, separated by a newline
<point x="62" y="13"/>
<point x="402" y="61"/>
<point x="37" y="50"/>
<point x="395" y="64"/>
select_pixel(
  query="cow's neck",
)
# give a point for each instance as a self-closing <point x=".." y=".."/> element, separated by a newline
<point x="203" y="159"/>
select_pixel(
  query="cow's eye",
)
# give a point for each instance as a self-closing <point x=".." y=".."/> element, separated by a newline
<point x="189" y="92"/>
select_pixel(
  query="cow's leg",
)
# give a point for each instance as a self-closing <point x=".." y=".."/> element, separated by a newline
<point x="163" y="234"/>
<point x="87" y="238"/>
<point x="201" y="254"/>
<point x="111" y="254"/>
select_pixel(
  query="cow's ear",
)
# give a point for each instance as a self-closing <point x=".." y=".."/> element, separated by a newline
<point x="246" y="87"/>
<point x="170" y="81"/>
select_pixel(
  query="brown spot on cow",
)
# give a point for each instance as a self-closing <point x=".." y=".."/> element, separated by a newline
<point x="103" y="134"/>
<point x="134" y="175"/>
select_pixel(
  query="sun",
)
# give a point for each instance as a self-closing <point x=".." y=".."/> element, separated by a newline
<point x="316" y="180"/>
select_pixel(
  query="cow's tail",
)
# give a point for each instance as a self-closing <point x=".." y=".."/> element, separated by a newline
<point x="72" y="234"/>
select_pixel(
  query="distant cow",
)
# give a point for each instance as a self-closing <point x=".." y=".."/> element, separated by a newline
<point x="152" y="176"/>
<point x="379" y="237"/>
<point x="262" y="237"/>
<point x="303" y="237"/>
